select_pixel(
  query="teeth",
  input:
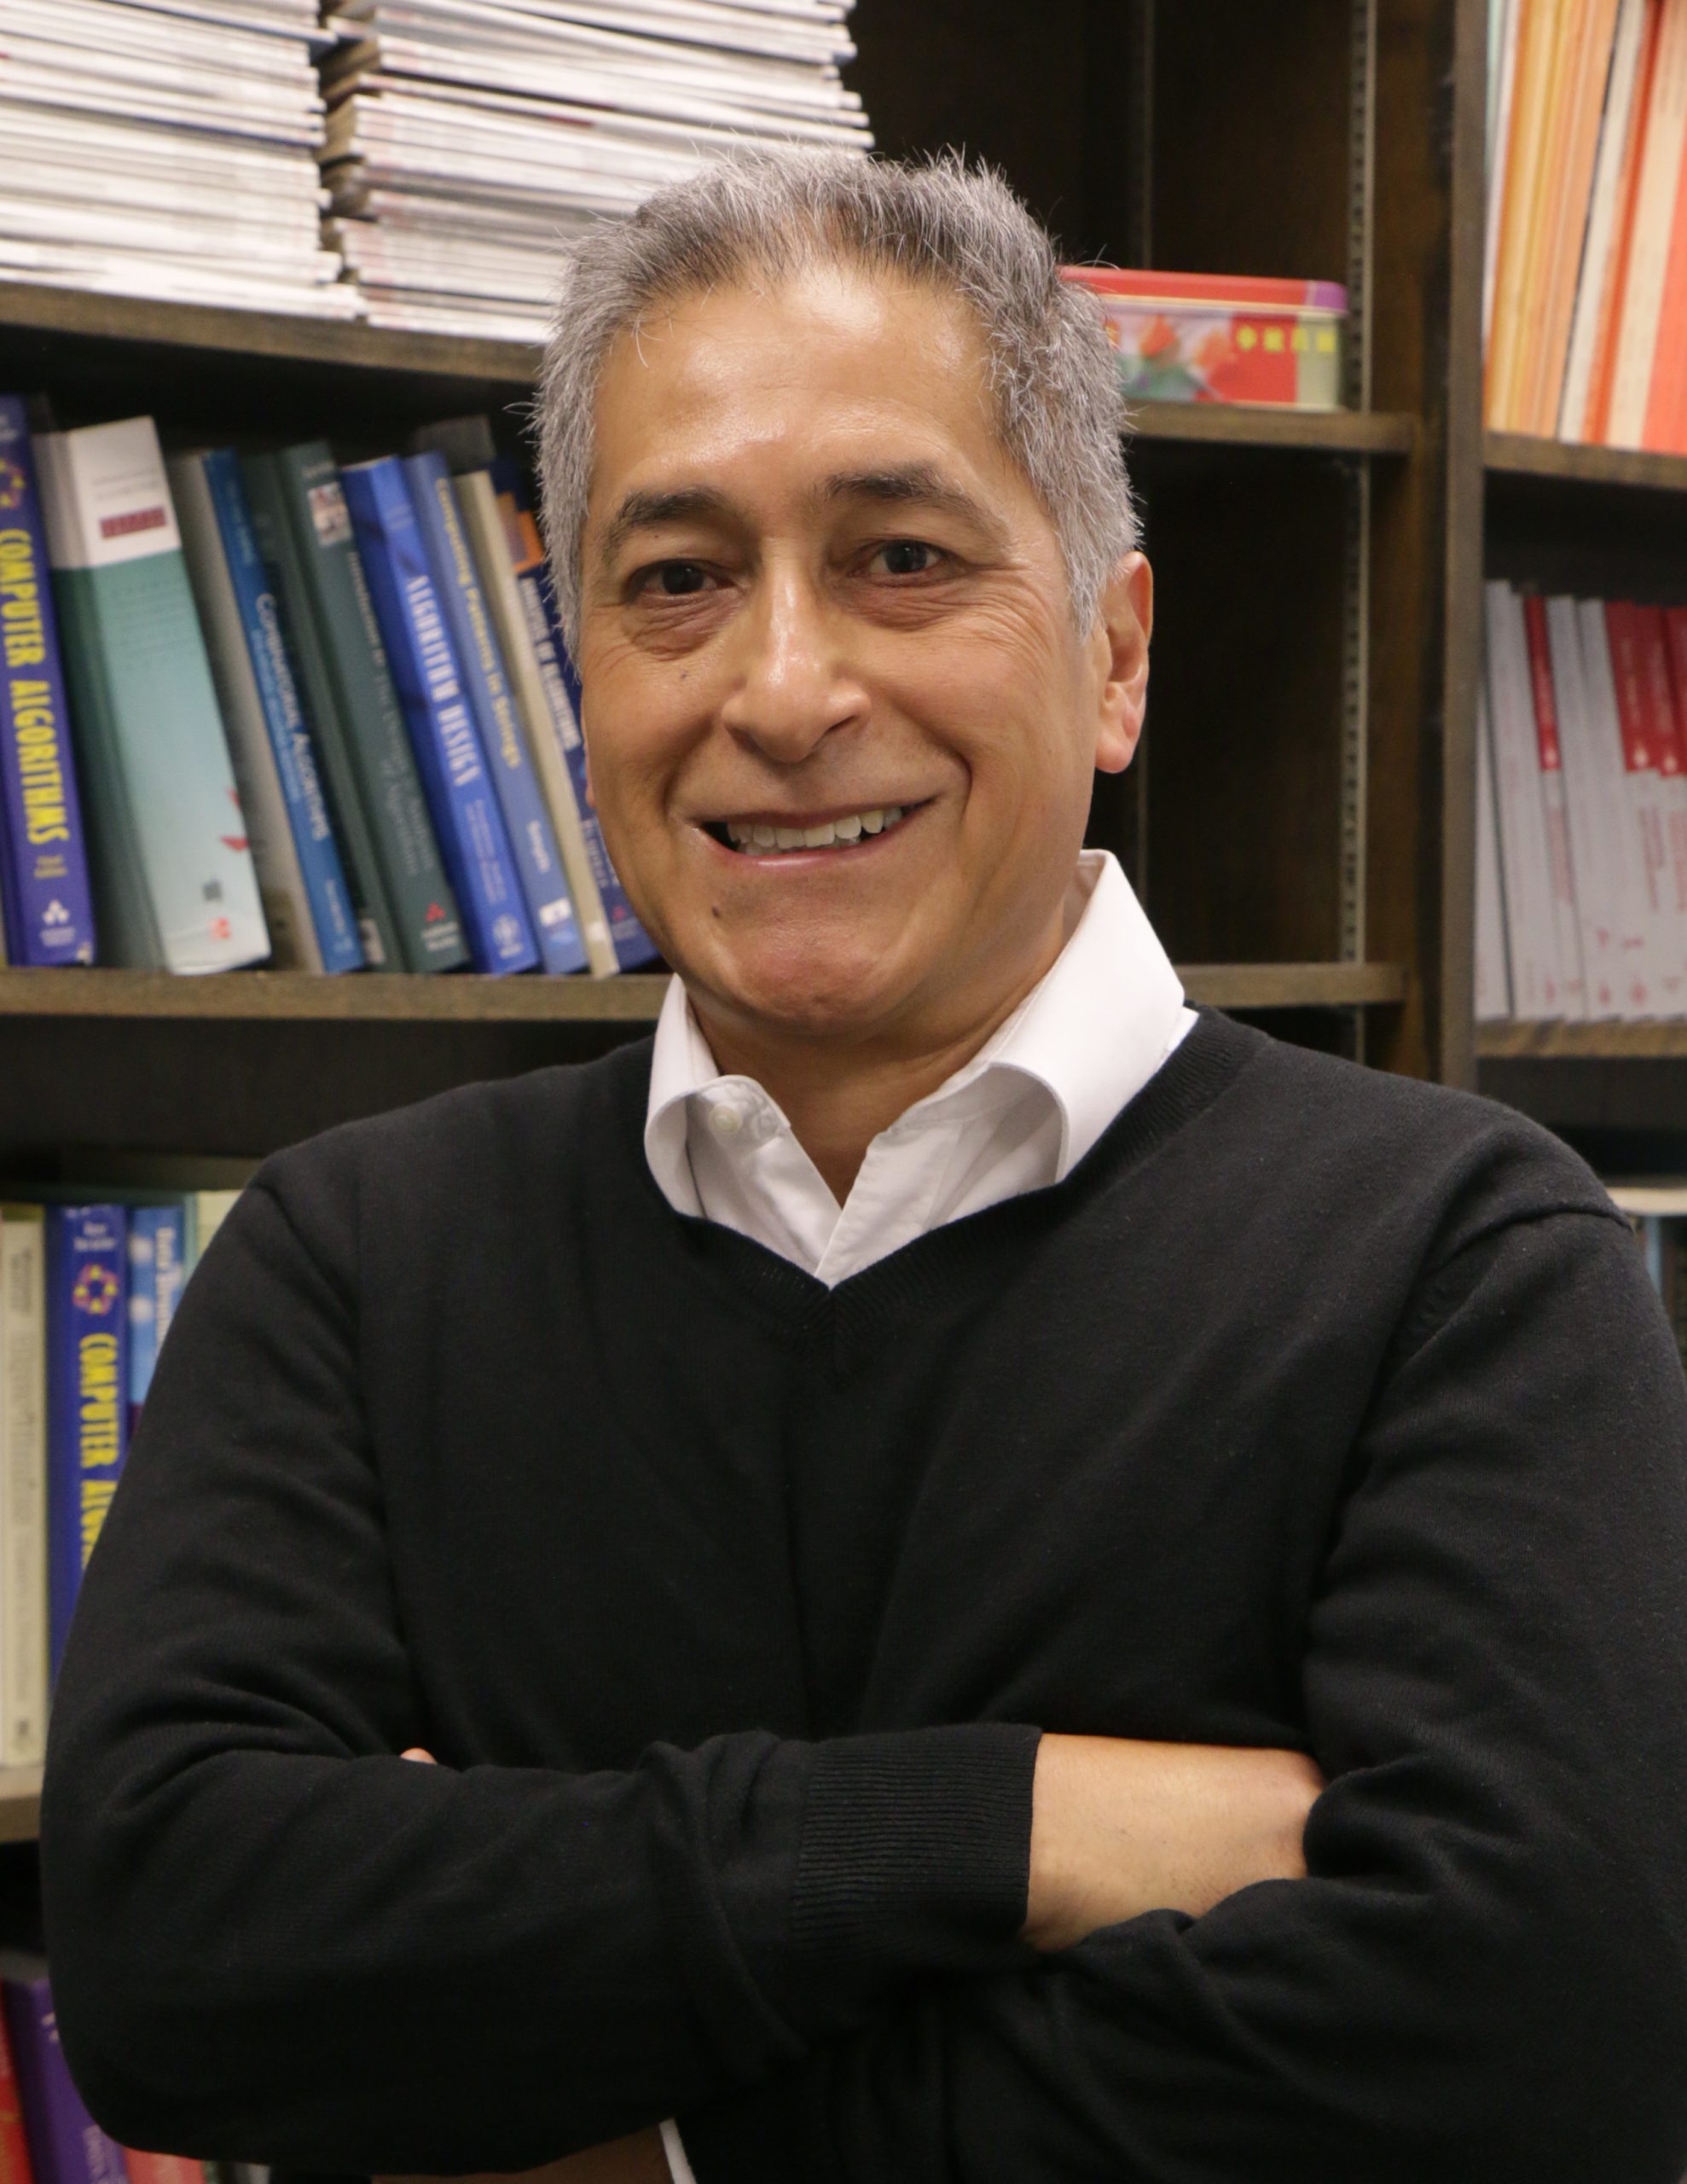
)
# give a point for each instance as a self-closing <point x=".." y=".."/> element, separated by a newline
<point x="757" y="838"/>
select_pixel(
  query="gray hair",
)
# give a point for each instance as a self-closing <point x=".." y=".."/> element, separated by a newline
<point x="1051" y="374"/>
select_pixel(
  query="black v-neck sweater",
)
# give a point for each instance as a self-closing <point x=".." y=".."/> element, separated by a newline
<point x="1315" y="1408"/>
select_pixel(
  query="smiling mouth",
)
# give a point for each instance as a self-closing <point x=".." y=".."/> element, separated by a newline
<point x="759" y="838"/>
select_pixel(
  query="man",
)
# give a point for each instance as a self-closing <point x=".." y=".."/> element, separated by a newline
<point x="888" y="1506"/>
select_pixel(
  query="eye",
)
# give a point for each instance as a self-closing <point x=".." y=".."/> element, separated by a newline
<point x="672" y="580"/>
<point x="905" y="557"/>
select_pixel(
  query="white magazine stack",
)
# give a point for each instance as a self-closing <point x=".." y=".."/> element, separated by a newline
<point x="167" y="149"/>
<point x="465" y="138"/>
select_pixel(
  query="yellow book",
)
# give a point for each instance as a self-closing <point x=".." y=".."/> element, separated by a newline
<point x="1537" y="39"/>
<point x="1586" y="77"/>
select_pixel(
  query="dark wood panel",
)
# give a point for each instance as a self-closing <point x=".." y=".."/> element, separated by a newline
<point x="1570" y="464"/>
<point x="1658" y="1039"/>
<point x="1244" y="707"/>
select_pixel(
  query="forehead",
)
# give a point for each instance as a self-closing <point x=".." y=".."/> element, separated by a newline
<point x="829" y="366"/>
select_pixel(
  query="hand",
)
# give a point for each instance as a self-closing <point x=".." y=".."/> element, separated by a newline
<point x="640" y="2159"/>
<point x="1119" y="1827"/>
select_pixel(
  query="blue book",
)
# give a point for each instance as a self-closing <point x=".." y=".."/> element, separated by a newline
<point x="48" y="908"/>
<point x="157" y="1271"/>
<point x="87" y="1392"/>
<point x="466" y="816"/>
<point x="633" y="944"/>
<point x="538" y="861"/>
<point x="332" y="918"/>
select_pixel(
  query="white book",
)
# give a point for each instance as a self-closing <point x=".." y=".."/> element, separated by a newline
<point x="1503" y="18"/>
<point x="56" y="88"/>
<point x="820" y="40"/>
<point x="1594" y="281"/>
<point x="1648" y="249"/>
<point x="1613" y="936"/>
<point x="1493" y="977"/>
<point x="1645" y="849"/>
<point x="172" y="281"/>
<point x="491" y="546"/>
<point x="1554" y="784"/>
<point x="23" y="1486"/>
<point x="280" y="881"/>
<point x="101" y="227"/>
<point x="120" y="146"/>
<point x="83" y="24"/>
<point x="1531" y="920"/>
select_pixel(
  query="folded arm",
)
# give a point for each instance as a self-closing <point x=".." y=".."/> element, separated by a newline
<point x="1484" y="1975"/>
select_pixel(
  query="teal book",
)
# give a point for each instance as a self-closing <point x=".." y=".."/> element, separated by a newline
<point x="176" y="886"/>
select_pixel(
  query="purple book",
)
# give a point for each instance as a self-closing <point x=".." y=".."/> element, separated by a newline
<point x="66" y="2145"/>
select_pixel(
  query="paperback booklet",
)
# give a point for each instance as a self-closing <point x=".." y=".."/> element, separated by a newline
<point x="465" y="812"/>
<point x="23" y="1486"/>
<point x="181" y="893"/>
<point x="43" y="858"/>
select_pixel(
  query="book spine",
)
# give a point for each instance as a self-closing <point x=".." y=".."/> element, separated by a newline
<point x="1530" y="930"/>
<point x="453" y="768"/>
<point x="66" y="2145"/>
<point x="49" y="910"/>
<point x="87" y="1392"/>
<point x="161" y="2168"/>
<point x="1611" y="644"/>
<point x="370" y="906"/>
<point x="533" y="843"/>
<point x="122" y="584"/>
<point x="633" y="946"/>
<point x="489" y="518"/>
<point x="1599" y="252"/>
<point x="426" y="913"/>
<point x="268" y="833"/>
<point x="15" y="2165"/>
<point x="155" y="1278"/>
<point x="1548" y="721"/>
<point x="23" y="1487"/>
<point x="1493" y="977"/>
<point x="307" y="813"/>
<point x="1657" y="694"/>
<point x="1648" y="259"/>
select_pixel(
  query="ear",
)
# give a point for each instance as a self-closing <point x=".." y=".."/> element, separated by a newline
<point x="1124" y="625"/>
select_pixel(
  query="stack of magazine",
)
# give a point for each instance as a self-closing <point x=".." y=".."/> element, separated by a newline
<point x="466" y="137"/>
<point x="167" y="148"/>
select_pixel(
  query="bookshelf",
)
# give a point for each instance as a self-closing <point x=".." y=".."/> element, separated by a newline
<point x="1301" y="820"/>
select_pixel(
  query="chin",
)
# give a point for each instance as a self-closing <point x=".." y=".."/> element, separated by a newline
<point x="816" y="996"/>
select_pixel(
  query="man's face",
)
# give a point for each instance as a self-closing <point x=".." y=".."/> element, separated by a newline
<point x="821" y="604"/>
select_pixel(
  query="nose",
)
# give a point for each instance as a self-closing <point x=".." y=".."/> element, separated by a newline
<point x="791" y="687"/>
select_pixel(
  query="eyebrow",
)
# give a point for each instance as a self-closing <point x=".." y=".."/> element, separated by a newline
<point x="906" y="485"/>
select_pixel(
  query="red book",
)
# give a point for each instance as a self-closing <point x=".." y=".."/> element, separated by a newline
<point x="16" y="2167"/>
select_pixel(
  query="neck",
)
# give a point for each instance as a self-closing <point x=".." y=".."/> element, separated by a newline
<point x="838" y="1097"/>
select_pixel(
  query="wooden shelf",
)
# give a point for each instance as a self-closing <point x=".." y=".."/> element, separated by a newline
<point x="270" y="996"/>
<point x="1329" y="431"/>
<point x="512" y="364"/>
<point x="1655" y="1039"/>
<point x="1568" y="462"/>
<point x="20" y="1803"/>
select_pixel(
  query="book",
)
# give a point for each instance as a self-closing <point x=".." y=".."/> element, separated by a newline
<point x="158" y="1270"/>
<point x="632" y="943"/>
<point x="496" y="556"/>
<point x="1531" y="916"/>
<point x="370" y="904"/>
<point x="23" y="1487"/>
<point x="1493" y="977"/>
<point x="1600" y="240"/>
<point x="162" y="2168"/>
<point x="1648" y="744"/>
<point x="170" y="843"/>
<point x="385" y="785"/>
<point x="44" y="856"/>
<point x="66" y="2145"/>
<point x="466" y="816"/>
<point x="1569" y="885"/>
<point x="1665" y="144"/>
<point x="307" y="906"/>
<point x="15" y="2165"/>
<point x="533" y="841"/>
<point x="87" y="1392"/>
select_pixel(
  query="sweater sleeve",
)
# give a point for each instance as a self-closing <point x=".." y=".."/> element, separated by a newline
<point x="274" y="1939"/>
<point x="1484" y="1975"/>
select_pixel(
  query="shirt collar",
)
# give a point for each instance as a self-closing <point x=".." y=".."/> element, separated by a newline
<point x="1091" y="1033"/>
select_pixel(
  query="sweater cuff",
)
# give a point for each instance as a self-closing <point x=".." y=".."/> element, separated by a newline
<point x="916" y="1851"/>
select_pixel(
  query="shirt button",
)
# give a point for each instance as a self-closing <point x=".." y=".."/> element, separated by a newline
<point x="726" y="1121"/>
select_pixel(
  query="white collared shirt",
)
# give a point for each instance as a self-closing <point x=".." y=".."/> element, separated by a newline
<point x="1018" y="1116"/>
